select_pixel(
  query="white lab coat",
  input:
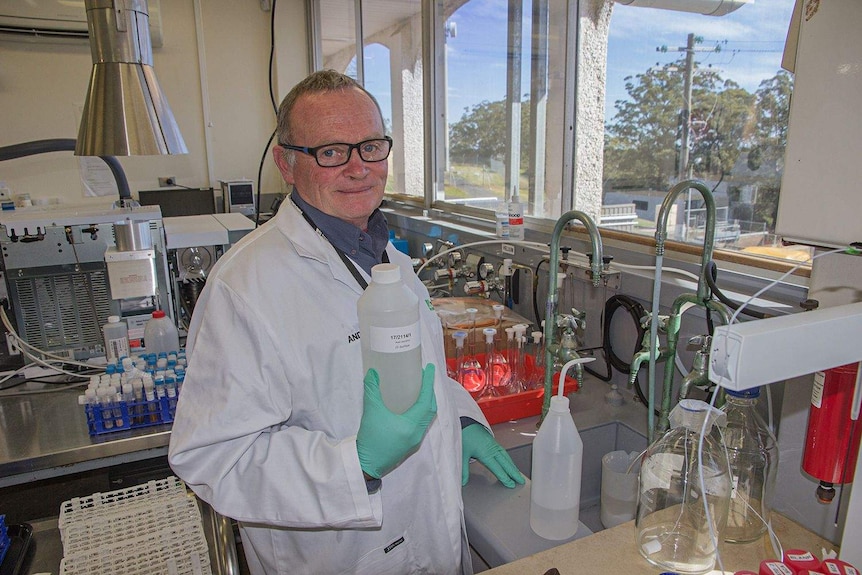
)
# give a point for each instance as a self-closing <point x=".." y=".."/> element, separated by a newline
<point x="266" y="424"/>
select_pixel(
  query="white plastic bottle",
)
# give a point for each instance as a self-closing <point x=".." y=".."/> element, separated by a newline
<point x="558" y="453"/>
<point x="501" y="215"/>
<point x="116" y="334"/>
<point x="390" y="336"/>
<point x="516" y="217"/>
<point x="160" y="334"/>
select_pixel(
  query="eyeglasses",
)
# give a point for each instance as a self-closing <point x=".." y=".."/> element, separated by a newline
<point x="338" y="154"/>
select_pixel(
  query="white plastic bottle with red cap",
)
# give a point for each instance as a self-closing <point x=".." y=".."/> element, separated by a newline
<point x="160" y="334"/>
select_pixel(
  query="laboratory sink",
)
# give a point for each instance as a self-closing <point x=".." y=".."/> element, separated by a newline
<point x="498" y="519"/>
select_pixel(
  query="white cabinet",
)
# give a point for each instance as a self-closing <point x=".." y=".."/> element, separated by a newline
<point x="821" y="192"/>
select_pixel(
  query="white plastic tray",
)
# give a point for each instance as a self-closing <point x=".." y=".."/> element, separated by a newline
<point x="153" y="528"/>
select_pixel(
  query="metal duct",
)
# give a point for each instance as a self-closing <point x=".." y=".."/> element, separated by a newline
<point x="126" y="113"/>
<point x="706" y="7"/>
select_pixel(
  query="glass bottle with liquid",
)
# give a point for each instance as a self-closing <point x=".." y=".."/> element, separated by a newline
<point x="753" y="454"/>
<point x="684" y="492"/>
<point x="390" y="336"/>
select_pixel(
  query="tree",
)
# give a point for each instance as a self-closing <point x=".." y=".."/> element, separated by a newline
<point x="767" y="154"/>
<point x="481" y="134"/>
<point x="643" y="139"/>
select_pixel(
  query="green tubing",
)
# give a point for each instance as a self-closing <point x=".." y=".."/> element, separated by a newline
<point x="703" y="291"/>
<point x="551" y="305"/>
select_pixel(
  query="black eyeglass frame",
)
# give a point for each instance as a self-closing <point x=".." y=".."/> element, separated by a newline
<point x="350" y="147"/>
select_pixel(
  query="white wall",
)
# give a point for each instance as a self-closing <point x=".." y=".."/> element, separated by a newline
<point x="213" y="70"/>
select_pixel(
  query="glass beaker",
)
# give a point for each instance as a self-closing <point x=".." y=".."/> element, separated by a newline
<point x="684" y="492"/>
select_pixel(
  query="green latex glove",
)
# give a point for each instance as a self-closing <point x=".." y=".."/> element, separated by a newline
<point x="477" y="442"/>
<point x="385" y="439"/>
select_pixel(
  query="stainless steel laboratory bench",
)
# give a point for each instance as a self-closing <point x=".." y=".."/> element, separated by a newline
<point x="44" y="439"/>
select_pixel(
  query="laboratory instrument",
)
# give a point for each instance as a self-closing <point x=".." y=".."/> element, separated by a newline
<point x="390" y="335"/>
<point x="68" y="269"/>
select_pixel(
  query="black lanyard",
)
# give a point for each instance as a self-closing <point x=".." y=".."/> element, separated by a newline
<point x="351" y="267"/>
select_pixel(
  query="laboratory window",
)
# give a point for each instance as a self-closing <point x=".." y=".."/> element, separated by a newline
<point x="592" y="105"/>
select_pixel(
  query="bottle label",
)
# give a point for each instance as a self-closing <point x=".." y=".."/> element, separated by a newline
<point x="394" y="339"/>
<point x="807" y="556"/>
<point x="778" y="568"/>
<point x="117" y="348"/>
<point x="817" y="392"/>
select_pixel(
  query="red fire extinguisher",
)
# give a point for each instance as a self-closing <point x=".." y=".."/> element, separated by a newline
<point x="834" y="429"/>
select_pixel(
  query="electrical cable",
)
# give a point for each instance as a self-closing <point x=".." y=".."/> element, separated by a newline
<point x="24" y="347"/>
<point x="711" y="275"/>
<point x="275" y="109"/>
<point x="536" y="290"/>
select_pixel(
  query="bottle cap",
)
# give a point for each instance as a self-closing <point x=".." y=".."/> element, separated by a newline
<point x="385" y="274"/>
<point x="158" y="313"/>
<point x="113" y="319"/>
<point x="752" y="393"/>
<point x="559" y="403"/>
<point x="800" y="560"/>
<point x="838" y="567"/>
<point x="773" y="567"/>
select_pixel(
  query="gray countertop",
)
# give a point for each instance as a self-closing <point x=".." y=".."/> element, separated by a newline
<point x="45" y="435"/>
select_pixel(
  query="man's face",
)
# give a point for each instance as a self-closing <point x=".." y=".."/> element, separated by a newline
<point x="350" y="192"/>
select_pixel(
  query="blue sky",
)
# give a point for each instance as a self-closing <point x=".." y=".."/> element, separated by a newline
<point x="751" y="39"/>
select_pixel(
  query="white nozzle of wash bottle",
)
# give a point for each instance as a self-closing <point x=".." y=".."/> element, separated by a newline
<point x="566" y="369"/>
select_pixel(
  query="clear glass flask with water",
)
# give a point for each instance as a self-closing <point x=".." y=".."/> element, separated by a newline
<point x="684" y="492"/>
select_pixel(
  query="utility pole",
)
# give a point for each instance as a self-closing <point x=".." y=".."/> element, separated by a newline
<point x="684" y="169"/>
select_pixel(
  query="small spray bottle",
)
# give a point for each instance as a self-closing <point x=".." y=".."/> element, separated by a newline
<point x="558" y="453"/>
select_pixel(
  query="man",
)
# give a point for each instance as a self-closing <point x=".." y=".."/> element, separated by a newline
<point x="276" y="426"/>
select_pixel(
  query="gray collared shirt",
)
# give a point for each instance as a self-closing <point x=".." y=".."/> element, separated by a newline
<point x="365" y="248"/>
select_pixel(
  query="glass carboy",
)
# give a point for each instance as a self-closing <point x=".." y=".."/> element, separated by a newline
<point x="684" y="492"/>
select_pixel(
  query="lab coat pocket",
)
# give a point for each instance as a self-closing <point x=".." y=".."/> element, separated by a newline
<point x="396" y="557"/>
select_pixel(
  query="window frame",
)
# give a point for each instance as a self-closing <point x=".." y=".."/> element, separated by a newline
<point x="432" y="14"/>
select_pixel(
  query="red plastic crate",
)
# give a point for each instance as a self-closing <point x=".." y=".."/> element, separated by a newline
<point x="517" y="405"/>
